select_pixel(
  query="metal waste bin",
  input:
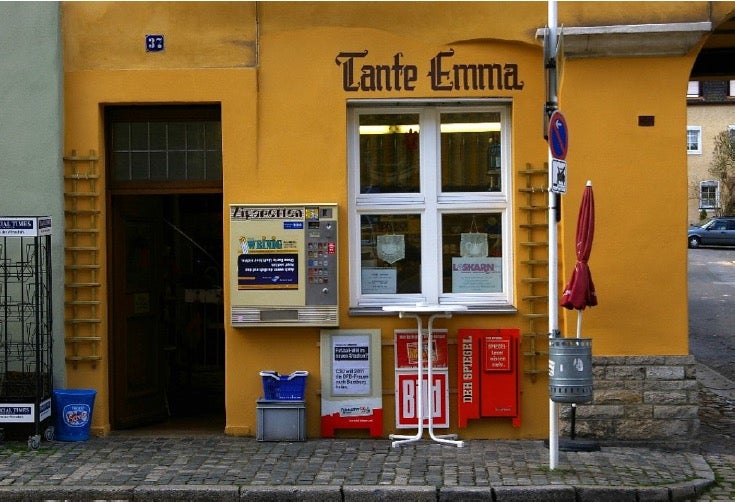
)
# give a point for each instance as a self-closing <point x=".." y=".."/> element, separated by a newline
<point x="570" y="370"/>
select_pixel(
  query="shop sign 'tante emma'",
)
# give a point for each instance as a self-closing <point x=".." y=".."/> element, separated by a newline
<point x="361" y="74"/>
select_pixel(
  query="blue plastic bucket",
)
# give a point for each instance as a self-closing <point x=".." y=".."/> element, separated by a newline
<point x="73" y="413"/>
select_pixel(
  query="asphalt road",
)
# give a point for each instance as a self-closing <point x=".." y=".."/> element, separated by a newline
<point x="711" y="275"/>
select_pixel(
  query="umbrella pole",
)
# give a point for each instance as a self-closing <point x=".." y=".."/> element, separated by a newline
<point x="573" y="444"/>
<point x="573" y="432"/>
<point x="579" y="323"/>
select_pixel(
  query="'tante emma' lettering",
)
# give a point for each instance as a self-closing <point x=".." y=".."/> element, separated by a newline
<point x="358" y="75"/>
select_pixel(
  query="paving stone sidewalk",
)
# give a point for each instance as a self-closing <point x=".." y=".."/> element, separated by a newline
<point x="227" y="468"/>
<point x="176" y="466"/>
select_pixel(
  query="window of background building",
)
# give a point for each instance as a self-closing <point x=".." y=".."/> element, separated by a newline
<point x="732" y="88"/>
<point x="694" y="139"/>
<point x="693" y="89"/>
<point x="709" y="194"/>
<point x="429" y="204"/>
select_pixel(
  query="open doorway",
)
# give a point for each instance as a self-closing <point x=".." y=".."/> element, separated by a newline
<point x="166" y="311"/>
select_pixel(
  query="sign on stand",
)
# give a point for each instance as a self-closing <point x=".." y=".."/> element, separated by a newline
<point x="436" y="391"/>
<point x="352" y="394"/>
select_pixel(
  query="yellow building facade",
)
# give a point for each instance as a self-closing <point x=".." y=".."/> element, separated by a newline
<point x="286" y="82"/>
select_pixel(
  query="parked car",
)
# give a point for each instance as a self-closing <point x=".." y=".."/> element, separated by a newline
<point x="716" y="232"/>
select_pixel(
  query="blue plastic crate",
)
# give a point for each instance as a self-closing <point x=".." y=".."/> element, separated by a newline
<point x="278" y="387"/>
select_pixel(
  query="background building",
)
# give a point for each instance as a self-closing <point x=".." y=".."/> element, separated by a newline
<point x="31" y="131"/>
<point x="710" y="111"/>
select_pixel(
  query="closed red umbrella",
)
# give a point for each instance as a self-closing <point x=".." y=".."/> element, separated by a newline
<point x="580" y="291"/>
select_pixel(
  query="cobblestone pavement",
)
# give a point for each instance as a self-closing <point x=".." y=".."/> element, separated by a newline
<point x="717" y="435"/>
<point x="131" y="464"/>
<point x="124" y="467"/>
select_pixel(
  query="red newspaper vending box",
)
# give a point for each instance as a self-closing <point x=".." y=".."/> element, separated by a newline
<point x="488" y="374"/>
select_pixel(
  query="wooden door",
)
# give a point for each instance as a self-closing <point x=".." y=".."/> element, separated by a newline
<point x="137" y="364"/>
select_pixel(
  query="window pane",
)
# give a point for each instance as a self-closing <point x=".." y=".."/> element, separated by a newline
<point x="121" y="166"/>
<point x="139" y="136"/>
<point x="158" y="135"/>
<point x="213" y="135"/>
<point x="177" y="166"/>
<point x="121" y="136"/>
<point x="390" y="253"/>
<point x="708" y="195"/>
<point x="177" y="135"/>
<point x="470" y="152"/>
<point x="158" y="166"/>
<point x="693" y="140"/>
<point x="214" y="165"/>
<point x="195" y="136"/>
<point x="389" y="153"/>
<point x="139" y="167"/>
<point x="472" y="253"/>
<point x="693" y="88"/>
<point x="195" y="165"/>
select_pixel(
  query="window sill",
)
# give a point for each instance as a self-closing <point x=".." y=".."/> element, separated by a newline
<point x="471" y="309"/>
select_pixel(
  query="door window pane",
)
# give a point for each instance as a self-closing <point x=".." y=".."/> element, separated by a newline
<point x="165" y="143"/>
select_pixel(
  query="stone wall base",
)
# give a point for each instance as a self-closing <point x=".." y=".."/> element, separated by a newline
<point x="650" y="399"/>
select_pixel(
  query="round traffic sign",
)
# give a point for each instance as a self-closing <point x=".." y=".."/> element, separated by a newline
<point x="558" y="135"/>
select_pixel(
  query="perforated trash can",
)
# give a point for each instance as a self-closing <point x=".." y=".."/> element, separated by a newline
<point x="73" y="413"/>
<point x="570" y="370"/>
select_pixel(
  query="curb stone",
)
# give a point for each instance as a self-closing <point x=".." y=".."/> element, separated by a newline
<point x="465" y="494"/>
<point x="50" y="493"/>
<point x="366" y="493"/>
<point x="191" y="493"/>
<point x="293" y="493"/>
<point x="550" y="493"/>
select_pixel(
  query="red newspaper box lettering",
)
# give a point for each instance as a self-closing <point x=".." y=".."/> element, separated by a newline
<point x="488" y="374"/>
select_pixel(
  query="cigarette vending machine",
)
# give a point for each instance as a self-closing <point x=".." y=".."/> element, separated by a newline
<point x="283" y="263"/>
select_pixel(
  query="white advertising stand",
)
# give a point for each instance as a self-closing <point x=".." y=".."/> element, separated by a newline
<point x="433" y="312"/>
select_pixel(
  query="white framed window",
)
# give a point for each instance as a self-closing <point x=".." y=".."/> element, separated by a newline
<point x="693" y="89"/>
<point x="731" y="92"/>
<point x="694" y="139"/>
<point x="709" y="194"/>
<point x="429" y="203"/>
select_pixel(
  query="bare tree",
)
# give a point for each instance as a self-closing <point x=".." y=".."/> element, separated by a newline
<point x="722" y="167"/>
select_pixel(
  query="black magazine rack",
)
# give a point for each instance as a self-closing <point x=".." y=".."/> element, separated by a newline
<point x="26" y="372"/>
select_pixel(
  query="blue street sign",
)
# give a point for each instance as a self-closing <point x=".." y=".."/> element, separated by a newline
<point x="558" y="135"/>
